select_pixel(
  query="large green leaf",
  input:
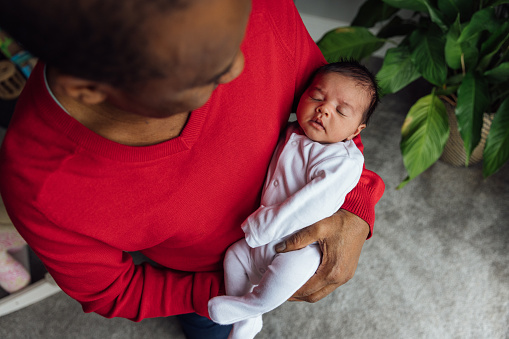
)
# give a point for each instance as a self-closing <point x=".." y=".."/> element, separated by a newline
<point x="473" y="99"/>
<point x="452" y="49"/>
<point x="457" y="52"/>
<point x="371" y="12"/>
<point x="462" y="44"/>
<point x="496" y="152"/>
<point x="397" y="70"/>
<point x="498" y="74"/>
<point x="414" y="5"/>
<point x="454" y="80"/>
<point x="428" y="55"/>
<point x="483" y="19"/>
<point x="494" y="44"/>
<point x="397" y="27"/>
<point x="349" y="42"/>
<point x="437" y="17"/>
<point x="423" y="135"/>
<point x="451" y="9"/>
<point x="470" y="55"/>
<point x="421" y="6"/>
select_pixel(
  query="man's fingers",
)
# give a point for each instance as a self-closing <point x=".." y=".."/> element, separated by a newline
<point x="316" y="296"/>
<point x="320" y="284"/>
<point x="340" y="238"/>
<point x="312" y="286"/>
<point x="319" y="295"/>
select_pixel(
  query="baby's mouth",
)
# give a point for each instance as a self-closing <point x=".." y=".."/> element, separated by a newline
<point x="318" y="122"/>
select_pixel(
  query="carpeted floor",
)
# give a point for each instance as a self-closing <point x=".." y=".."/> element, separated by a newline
<point x="436" y="267"/>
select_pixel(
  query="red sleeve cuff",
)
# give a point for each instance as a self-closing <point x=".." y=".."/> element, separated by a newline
<point x="362" y="199"/>
<point x="206" y="286"/>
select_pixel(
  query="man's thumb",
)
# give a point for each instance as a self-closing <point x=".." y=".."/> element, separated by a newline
<point x="296" y="241"/>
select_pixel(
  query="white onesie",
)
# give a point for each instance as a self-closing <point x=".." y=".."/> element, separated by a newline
<point x="306" y="182"/>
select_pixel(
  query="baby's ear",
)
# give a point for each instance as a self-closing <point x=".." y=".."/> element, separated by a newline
<point x="357" y="131"/>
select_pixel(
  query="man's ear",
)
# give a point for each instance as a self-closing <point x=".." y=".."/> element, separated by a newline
<point x="85" y="91"/>
<point x="357" y="131"/>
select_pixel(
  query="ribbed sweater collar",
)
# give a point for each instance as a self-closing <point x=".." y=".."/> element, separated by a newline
<point x="54" y="114"/>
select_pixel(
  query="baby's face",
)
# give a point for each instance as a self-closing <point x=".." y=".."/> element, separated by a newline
<point x="332" y="108"/>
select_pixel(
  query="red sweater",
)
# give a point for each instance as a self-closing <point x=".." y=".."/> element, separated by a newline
<point x="82" y="201"/>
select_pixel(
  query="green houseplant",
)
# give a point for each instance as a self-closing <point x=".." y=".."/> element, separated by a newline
<point x="461" y="47"/>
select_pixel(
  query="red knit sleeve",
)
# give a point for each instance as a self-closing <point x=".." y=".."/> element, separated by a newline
<point x="362" y="199"/>
<point x="103" y="278"/>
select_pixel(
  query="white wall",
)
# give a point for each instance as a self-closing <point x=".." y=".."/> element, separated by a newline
<point x="321" y="16"/>
<point x="339" y="10"/>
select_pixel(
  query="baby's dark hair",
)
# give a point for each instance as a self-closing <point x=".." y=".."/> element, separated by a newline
<point x="364" y="78"/>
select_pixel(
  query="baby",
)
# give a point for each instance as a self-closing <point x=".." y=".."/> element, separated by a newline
<point x="314" y="166"/>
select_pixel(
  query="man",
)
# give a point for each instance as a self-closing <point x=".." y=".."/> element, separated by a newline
<point x="149" y="127"/>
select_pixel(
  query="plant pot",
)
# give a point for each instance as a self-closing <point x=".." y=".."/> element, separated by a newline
<point x="454" y="152"/>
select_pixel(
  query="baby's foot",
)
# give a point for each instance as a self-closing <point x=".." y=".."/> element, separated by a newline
<point x="246" y="329"/>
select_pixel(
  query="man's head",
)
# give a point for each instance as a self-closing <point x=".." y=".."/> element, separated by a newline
<point x="170" y="52"/>
<point x="338" y="103"/>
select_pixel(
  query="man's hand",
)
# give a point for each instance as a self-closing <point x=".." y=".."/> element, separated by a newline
<point x="340" y="238"/>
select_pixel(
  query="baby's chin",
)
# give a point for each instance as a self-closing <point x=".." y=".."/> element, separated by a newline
<point x="322" y="140"/>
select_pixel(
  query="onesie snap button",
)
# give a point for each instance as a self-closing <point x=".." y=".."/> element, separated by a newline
<point x="294" y="143"/>
<point x="276" y="183"/>
<point x="262" y="270"/>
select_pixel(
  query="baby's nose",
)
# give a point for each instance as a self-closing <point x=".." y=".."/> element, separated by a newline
<point x="323" y="109"/>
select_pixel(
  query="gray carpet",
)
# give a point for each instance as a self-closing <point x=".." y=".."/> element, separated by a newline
<point x="436" y="267"/>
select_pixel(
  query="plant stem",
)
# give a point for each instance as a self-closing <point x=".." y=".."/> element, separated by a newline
<point x="449" y="100"/>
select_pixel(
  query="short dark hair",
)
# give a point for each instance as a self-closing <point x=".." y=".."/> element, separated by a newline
<point x="359" y="72"/>
<point x="101" y="40"/>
